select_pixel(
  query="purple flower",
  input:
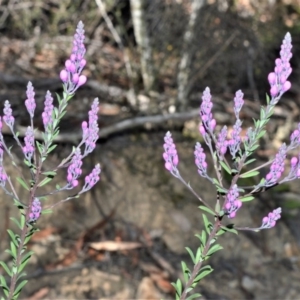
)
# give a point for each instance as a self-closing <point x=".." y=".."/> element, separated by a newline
<point x="232" y="204"/>
<point x="8" y="118"/>
<point x="48" y="109"/>
<point x="222" y="144"/>
<point x="295" y="138"/>
<point x="3" y="176"/>
<point x="170" y="155"/>
<point x="91" y="130"/>
<point x="74" y="65"/>
<point x="270" y="220"/>
<point x="35" y="210"/>
<point x="205" y="111"/>
<point x="30" y="102"/>
<point x="235" y="140"/>
<point x="92" y="178"/>
<point x="28" y="149"/>
<point x="277" y="167"/>
<point x="74" y="170"/>
<point x="238" y="103"/>
<point x="278" y="78"/>
<point x="200" y="160"/>
<point x="294" y="170"/>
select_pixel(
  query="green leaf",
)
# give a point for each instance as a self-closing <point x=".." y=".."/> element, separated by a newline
<point x="4" y="286"/>
<point x="249" y="174"/>
<point x="214" y="249"/>
<point x="262" y="133"/>
<point x="197" y="295"/>
<point x="47" y="211"/>
<point x="6" y="268"/>
<point x="246" y="198"/>
<point x="250" y="161"/>
<point x="25" y="260"/>
<point x="178" y="286"/>
<point x="13" y="249"/>
<point x="229" y="228"/>
<point x="19" y="287"/>
<point x="204" y="208"/>
<point x="207" y="224"/>
<point x="198" y="255"/>
<point x="51" y="148"/>
<point x="22" y="221"/>
<point x="203" y="272"/>
<point x="45" y="181"/>
<point x="22" y="182"/>
<point x="186" y="271"/>
<point x="13" y="237"/>
<point x="225" y="167"/>
<point x="191" y="254"/>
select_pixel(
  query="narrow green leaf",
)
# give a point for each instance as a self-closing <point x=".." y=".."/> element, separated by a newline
<point x="191" y="254"/>
<point x="13" y="237"/>
<point x="194" y="296"/>
<point x="6" y="268"/>
<point x="22" y="221"/>
<point x="19" y="287"/>
<point x="246" y="198"/>
<point x="225" y="167"/>
<point x="51" y="148"/>
<point x="198" y="255"/>
<point x="13" y="249"/>
<point x="249" y="174"/>
<point x="47" y="211"/>
<point x="261" y="134"/>
<point x="203" y="273"/>
<point x="214" y="249"/>
<point x="22" y="182"/>
<point x="49" y="173"/>
<point x="25" y="260"/>
<point x="207" y="224"/>
<point x="204" y="208"/>
<point x="45" y="181"/>
<point x="250" y="161"/>
<point x="186" y="271"/>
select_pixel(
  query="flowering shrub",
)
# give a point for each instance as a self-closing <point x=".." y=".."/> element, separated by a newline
<point x="35" y="153"/>
<point x="240" y="149"/>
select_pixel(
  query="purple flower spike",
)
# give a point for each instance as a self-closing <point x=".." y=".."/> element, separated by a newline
<point x="222" y="144"/>
<point x="35" y="211"/>
<point x="8" y="118"/>
<point x="91" y="129"/>
<point x="278" y="78"/>
<point x="277" y="167"/>
<point x="74" y="170"/>
<point x="270" y="220"/>
<point x="170" y="155"/>
<point x="71" y="75"/>
<point x="238" y="103"/>
<point x="232" y="204"/>
<point x="235" y="140"/>
<point x="295" y="138"/>
<point x="3" y="176"/>
<point x="294" y="170"/>
<point x="30" y="102"/>
<point x="28" y="149"/>
<point x="48" y="109"/>
<point x="92" y="178"/>
<point x="205" y="111"/>
<point x="200" y="160"/>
